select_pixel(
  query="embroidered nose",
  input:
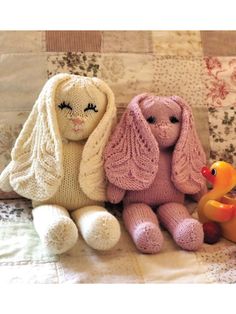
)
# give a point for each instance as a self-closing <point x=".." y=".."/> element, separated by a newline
<point x="163" y="125"/>
<point x="77" y="121"/>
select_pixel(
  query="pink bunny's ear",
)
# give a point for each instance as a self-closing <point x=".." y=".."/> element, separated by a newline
<point x="189" y="156"/>
<point x="132" y="154"/>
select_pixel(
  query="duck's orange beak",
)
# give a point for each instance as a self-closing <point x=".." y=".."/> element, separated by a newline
<point x="206" y="172"/>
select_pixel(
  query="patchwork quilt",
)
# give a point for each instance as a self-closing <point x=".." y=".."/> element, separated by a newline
<point x="199" y="66"/>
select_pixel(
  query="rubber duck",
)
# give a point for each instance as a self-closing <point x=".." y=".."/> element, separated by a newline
<point x="217" y="205"/>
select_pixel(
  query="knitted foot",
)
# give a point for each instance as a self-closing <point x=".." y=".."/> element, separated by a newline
<point x="143" y="227"/>
<point x="189" y="234"/>
<point x="148" y="238"/>
<point x="186" y="231"/>
<point x="100" y="229"/>
<point x="55" y="228"/>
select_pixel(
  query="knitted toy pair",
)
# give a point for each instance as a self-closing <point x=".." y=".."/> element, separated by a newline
<point x="151" y="160"/>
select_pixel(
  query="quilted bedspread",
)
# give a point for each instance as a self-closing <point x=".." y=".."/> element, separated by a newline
<point x="199" y="66"/>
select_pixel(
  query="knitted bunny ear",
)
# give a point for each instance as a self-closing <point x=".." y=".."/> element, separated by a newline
<point x="132" y="154"/>
<point x="189" y="156"/>
<point x="92" y="176"/>
<point x="37" y="167"/>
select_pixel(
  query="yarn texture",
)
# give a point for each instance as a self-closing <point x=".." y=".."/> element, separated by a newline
<point x="154" y="158"/>
<point x="57" y="161"/>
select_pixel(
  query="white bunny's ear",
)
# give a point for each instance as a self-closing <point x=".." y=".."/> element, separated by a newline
<point x="37" y="165"/>
<point x="92" y="175"/>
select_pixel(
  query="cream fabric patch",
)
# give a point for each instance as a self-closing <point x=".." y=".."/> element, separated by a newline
<point x="20" y="243"/>
<point x="30" y="273"/>
<point x="171" y="265"/>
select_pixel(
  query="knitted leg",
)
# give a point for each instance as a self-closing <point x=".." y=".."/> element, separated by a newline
<point x="99" y="228"/>
<point x="55" y="228"/>
<point x="186" y="231"/>
<point x="142" y="224"/>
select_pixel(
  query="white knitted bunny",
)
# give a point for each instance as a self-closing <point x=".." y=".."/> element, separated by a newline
<point x="57" y="162"/>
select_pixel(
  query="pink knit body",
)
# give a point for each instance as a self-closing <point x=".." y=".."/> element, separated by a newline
<point x="152" y="160"/>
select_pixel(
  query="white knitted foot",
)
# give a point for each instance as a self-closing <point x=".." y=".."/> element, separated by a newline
<point x="100" y="229"/>
<point x="55" y="228"/>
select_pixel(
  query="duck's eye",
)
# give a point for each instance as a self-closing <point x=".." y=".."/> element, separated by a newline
<point x="64" y="105"/>
<point x="213" y="172"/>
<point x="91" y="107"/>
<point x="173" y="119"/>
<point x="151" y="120"/>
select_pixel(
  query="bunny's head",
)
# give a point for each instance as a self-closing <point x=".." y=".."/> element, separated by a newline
<point x="149" y="125"/>
<point x="69" y="107"/>
<point x="164" y="117"/>
<point x="80" y="106"/>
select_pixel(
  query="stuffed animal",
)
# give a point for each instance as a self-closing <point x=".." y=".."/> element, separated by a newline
<point x="57" y="162"/>
<point x="152" y="159"/>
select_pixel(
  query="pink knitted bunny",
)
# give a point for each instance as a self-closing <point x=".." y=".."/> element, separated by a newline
<point x="153" y="158"/>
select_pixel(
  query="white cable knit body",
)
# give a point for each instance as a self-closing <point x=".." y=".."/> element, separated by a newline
<point x="70" y="194"/>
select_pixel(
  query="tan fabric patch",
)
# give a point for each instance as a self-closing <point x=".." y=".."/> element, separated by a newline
<point x="178" y="43"/>
<point x="182" y="76"/>
<point x="126" y="41"/>
<point x="73" y="41"/>
<point x="219" y="43"/>
<point x="21" y="41"/>
<point x="22" y="77"/>
<point x="127" y="74"/>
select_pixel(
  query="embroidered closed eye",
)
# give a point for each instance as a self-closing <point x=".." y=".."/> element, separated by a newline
<point x="151" y="120"/>
<point x="64" y="105"/>
<point x="173" y="119"/>
<point x="91" y="107"/>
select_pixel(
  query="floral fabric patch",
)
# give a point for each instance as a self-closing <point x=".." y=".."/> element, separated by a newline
<point x="86" y="64"/>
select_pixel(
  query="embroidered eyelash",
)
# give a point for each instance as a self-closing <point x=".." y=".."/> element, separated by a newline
<point x="91" y="107"/>
<point x="64" y="105"/>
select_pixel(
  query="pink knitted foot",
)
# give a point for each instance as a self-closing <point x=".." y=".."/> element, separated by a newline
<point x="186" y="231"/>
<point x="143" y="227"/>
<point x="189" y="234"/>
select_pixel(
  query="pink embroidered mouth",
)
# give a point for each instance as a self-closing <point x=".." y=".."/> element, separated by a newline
<point x="77" y="128"/>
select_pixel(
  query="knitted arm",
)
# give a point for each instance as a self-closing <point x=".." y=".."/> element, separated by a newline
<point x="196" y="197"/>
<point x="114" y="194"/>
<point x="4" y="179"/>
